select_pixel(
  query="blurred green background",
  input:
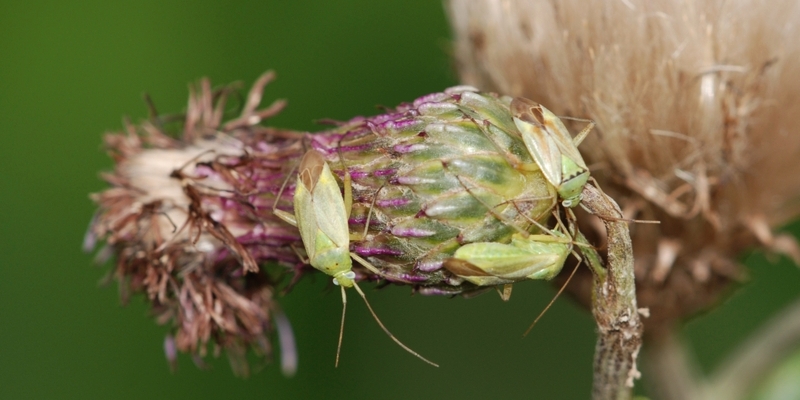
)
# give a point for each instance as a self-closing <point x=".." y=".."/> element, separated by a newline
<point x="71" y="71"/>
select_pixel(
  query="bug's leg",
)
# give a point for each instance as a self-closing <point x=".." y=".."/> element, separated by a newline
<point x="573" y="232"/>
<point x="570" y="231"/>
<point x="553" y="202"/>
<point x="341" y="328"/>
<point x="366" y="264"/>
<point x="514" y="161"/>
<point x="303" y="257"/>
<point x="593" y="260"/>
<point x="347" y="182"/>
<point x="361" y="236"/>
<point x="584" y="132"/>
<point x="488" y="208"/>
<point x="285" y="216"/>
<point x="553" y="236"/>
<point x="505" y="294"/>
<point x="358" y="289"/>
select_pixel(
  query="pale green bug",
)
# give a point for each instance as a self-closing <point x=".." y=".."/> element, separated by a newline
<point x="552" y="148"/>
<point x="525" y="257"/>
<point x="321" y="213"/>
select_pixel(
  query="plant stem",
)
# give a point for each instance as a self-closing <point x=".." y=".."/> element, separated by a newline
<point x="614" y="305"/>
<point x="670" y="370"/>
<point x="737" y="376"/>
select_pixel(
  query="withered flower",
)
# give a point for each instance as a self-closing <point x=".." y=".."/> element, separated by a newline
<point x="184" y="219"/>
<point x="696" y="110"/>
<point x="696" y="105"/>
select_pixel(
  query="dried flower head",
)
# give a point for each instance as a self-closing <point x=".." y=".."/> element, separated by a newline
<point x="183" y="219"/>
<point x="695" y="104"/>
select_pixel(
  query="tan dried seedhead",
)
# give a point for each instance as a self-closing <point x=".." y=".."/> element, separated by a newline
<point x="696" y="105"/>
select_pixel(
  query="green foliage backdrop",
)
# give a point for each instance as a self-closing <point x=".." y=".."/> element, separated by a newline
<point x="71" y="71"/>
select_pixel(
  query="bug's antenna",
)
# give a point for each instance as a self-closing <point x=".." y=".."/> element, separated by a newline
<point x="341" y="329"/>
<point x="283" y="187"/>
<point x="371" y="207"/>
<point x="541" y="314"/>
<point x="358" y="289"/>
<point x="613" y="218"/>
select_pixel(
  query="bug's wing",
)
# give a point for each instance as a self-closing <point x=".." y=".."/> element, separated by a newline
<point x="473" y="274"/>
<point x="525" y="267"/>
<point x="503" y="260"/>
<point x="540" y="143"/>
<point x="329" y="209"/>
<point x="306" y="217"/>
<point x="556" y="129"/>
<point x="463" y="268"/>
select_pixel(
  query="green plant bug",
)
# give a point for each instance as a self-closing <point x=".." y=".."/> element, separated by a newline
<point x="552" y="148"/>
<point x="320" y="214"/>
<point x="540" y="256"/>
<point x="525" y="257"/>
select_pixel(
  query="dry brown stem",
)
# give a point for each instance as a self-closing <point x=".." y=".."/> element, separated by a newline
<point x="614" y="304"/>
